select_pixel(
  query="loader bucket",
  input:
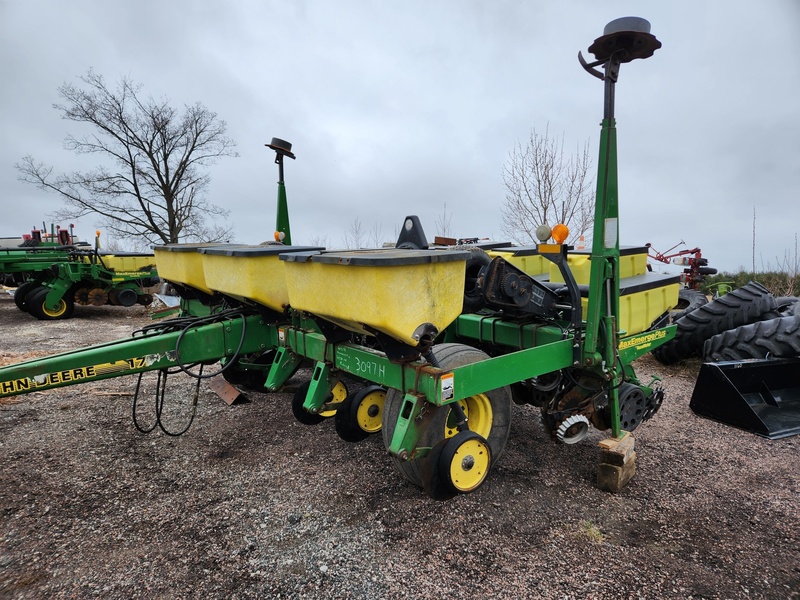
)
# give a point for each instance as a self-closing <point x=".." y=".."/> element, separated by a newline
<point x="760" y="396"/>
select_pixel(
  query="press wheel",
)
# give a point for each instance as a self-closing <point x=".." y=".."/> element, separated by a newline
<point x="465" y="461"/>
<point x="360" y="414"/>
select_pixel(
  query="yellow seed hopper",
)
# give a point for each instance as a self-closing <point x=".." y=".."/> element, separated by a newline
<point x="250" y="272"/>
<point x="409" y="295"/>
<point x="183" y="264"/>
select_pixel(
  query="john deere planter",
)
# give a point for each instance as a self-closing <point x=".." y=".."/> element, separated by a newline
<point x="442" y="338"/>
<point x="56" y="277"/>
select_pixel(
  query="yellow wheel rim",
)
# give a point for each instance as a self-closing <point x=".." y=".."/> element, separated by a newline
<point x="479" y="416"/>
<point x="60" y="309"/>
<point x="370" y="412"/>
<point x="469" y="465"/>
<point x="338" y="394"/>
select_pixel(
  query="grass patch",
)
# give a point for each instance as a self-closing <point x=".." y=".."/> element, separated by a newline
<point x="592" y="532"/>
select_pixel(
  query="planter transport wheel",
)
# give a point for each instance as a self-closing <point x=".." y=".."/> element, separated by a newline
<point x="360" y="414"/>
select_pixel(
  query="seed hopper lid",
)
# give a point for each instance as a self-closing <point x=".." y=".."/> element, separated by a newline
<point x="389" y="257"/>
<point x="194" y="247"/>
<point x="256" y="251"/>
<point x="519" y="250"/>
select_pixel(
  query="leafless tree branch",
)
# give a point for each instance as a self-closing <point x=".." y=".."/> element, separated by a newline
<point x="151" y="187"/>
<point x="544" y="186"/>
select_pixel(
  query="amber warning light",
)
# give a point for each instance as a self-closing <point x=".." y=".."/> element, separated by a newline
<point x="560" y="233"/>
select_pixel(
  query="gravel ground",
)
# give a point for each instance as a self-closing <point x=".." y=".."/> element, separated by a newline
<point x="251" y="504"/>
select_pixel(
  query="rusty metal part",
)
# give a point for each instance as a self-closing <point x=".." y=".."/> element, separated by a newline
<point x="97" y="297"/>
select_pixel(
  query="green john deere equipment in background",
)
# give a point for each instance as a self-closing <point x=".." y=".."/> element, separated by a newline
<point x="56" y="277"/>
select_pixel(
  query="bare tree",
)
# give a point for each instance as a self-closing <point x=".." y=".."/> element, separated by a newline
<point x="320" y="241"/>
<point x="543" y="186"/>
<point x="376" y="235"/>
<point x="443" y="223"/>
<point x="354" y="237"/>
<point x="155" y="189"/>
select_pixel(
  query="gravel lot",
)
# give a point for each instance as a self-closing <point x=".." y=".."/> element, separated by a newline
<point x="251" y="504"/>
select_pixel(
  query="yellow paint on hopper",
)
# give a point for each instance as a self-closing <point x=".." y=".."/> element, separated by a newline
<point x="250" y="272"/>
<point x="632" y="262"/>
<point x="643" y="299"/>
<point x="524" y="258"/>
<point x="128" y="262"/>
<point x="182" y="263"/>
<point x="388" y="290"/>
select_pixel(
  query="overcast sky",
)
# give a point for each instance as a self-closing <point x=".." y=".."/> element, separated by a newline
<point x="396" y="108"/>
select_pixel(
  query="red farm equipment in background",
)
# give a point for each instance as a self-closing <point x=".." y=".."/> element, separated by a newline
<point x="696" y="266"/>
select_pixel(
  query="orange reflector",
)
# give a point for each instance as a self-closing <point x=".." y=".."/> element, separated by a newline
<point x="549" y="248"/>
<point x="560" y="233"/>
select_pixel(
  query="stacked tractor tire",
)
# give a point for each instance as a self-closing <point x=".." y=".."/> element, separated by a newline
<point x="748" y="322"/>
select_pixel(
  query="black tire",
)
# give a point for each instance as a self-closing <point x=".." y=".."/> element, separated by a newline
<point x="360" y="415"/>
<point x="21" y="294"/>
<point x="473" y="295"/>
<point x="688" y="301"/>
<point x="35" y="302"/>
<point x="300" y="413"/>
<point x="444" y="461"/>
<point x="738" y="307"/>
<point x="492" y="412"/>
<point x="786" y="305"/>
<point x="778" y="338"/>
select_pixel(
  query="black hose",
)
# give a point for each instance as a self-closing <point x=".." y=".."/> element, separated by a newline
<point x="161" y="388"/>
<point x="226" y="366"/>
<point x="133" y="408"/>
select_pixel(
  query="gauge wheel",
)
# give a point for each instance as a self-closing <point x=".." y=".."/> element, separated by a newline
<point x="337" y="396"/>
<point x="361" y="413"/>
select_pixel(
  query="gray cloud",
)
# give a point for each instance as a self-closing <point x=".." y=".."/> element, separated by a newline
<point x="398" y="108"/>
